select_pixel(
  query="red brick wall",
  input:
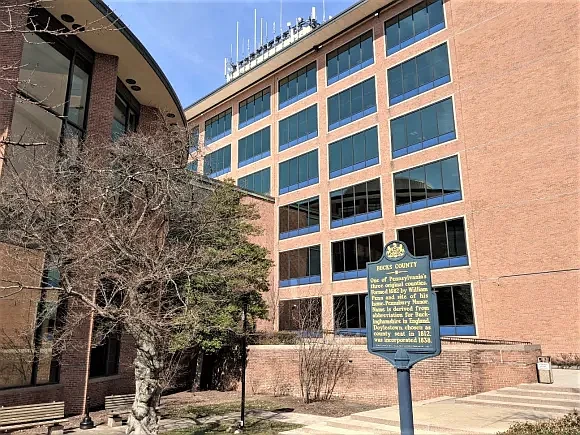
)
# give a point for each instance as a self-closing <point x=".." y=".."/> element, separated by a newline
<point x="30" y="395"/>
<point x="102" y="96"/>
<point x="460" y="370"/>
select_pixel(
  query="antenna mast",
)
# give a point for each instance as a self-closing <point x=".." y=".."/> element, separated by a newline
<point x="255" y="28"/>
<point x="237" y="41"/>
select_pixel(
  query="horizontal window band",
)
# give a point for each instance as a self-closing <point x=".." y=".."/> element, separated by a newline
<point x="424" y="145"/>
<point x="363" y="217"/>
<point x="297" y="98"/>
<point x="218" y="173"/>
<point x="352" y="118"/>
<point x="421" y="89"/>
<point x="254" y="119"/>
<point x="305" y="280"/>
<point x="253" y="159"/>
<point x="429" y="202"/>
<point x="218" y="137"/>
<point x="416" y="38"/>
<point x="350" y="274"/>
<point x="301" y="139"/>
<point x="350" y="71"/>
<point x="300" y="232"/>
<point x="300" y="185"/>
<point x="444" y="263"/>
<point x="355" y="167"/>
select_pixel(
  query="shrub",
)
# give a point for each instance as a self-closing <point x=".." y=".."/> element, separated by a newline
<point x="567" y="360"/>
<point x="567" y="425"/>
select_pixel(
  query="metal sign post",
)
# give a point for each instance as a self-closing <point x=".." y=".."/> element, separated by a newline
<point x="402" y="321"/>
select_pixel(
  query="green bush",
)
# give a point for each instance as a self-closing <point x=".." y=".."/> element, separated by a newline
<point x="567" y="425"/>
<point x="280" y="337"/>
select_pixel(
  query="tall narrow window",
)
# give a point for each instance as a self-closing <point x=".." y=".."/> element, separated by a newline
<point x="350" y="257"/>
<point x="299" y="218"/>
<point x="301" y="315"/>
<point x="427" y="185"/>
<point x="423" y="128"/>
<point x="414" y="24"/>
<point x="354" y="204"/>
<point x="300" y="266"/>
<point x="297" y="85"/>
<point x="350" y="58"/>
<point x="444" y="242"/>
<point x="352" y="104"/>
<point x="419" y="74"/>
<point x="455" y="309"/>
<point x="349" y="313"/>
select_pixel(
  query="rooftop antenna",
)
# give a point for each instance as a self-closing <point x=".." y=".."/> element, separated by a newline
<point x="255" y="28"/>
<point x="237" y="41"/>
<point x="323" y="12"/>
<point x="226" y="67"/>
<point x="281" y="30"/>
<point x="231" y="52"/>
<point x="313" y="13"/>
<point x="248" y="53"/>
<point x="261" y="31"/>
<point x="266" y="31"/>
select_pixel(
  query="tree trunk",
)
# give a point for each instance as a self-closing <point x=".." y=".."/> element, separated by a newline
<point x="144" y="418"/>
<point x="198" y="368"/>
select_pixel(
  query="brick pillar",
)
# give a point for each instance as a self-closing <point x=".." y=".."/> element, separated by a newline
<point x="150" y="119"/>
<point x="102" y="97"/>
<point x="10" y="58"/>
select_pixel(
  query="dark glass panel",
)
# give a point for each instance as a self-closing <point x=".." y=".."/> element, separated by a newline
<point x="293" y="171"/>
<point x="362" y="305"/>
<point x="312" y="165"/>
<point x="283" y="218"/>
<point x="372" y="143"/>
<point x="429" y="122"/>
<point x="445" y="122"/>
<point x="395" y="81"/>
<point x="350" y="254"/>
<point x="348" y="202"/>
<point x="343" y="61"/>
<point x="358" y="145"/>
<point x="398" y="134"/>
<point x="352" y="312"/>
<point x="302" y="168"/>
<point x="463" y="305"/>
<point x="293" y="217"/>
<point x="337" y="257"/>
<point x="392" y="32"/>
<point x="417" y="181"/>
<point x="435" y="11"/>
<point x="356" y="96"/>
<point x="421" y="235"/>
<point x="344" y="108"/>
<point x="420" y="20"/>
<point x="332" y="66"/>
<point x="302" y="124"/>
<point x="347" y="152"/>
<point x="367" y="47"/>
<point x="424" y="68"/>
<point x="336" y="204"/>
<point x="374" y="195"/>
<point x="283" y="266"/>
<point x="440" y="61"/>
<point x="360" y="198"/>
<point x="434" y="183"/>
<point x="445" y="306"/>
<point x="368" y="94"/>
<point x="406" y="25"/>
<point x="438" y="240"/>
<point x="450" y="172"/>
<point x="456" y="238"/>
<point x="333" y="112"/>
<point x="284" y="175"/>
<point x="376" y="243"/>
<point x="312" y="119"/>
<point x="406" y="235"/>
<point x="362" y="252"/>
<point x="409" y="75"/>
<point x="354" y="52"/>
<point x="339" y="312"/>
<point x="314" y="212"/>
<point x="314" y="261"/>
<point x="413" y="121"/>
<point x="402" y="186"/>
<point x="283" y="133"/>
<point x="334" y="161"/>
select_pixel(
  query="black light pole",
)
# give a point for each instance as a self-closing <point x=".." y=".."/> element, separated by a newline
<point x="244" y="357"/>
<point x="87" y="422"/>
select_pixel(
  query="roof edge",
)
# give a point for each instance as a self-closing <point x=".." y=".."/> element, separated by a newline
<point x="127" y="33"/>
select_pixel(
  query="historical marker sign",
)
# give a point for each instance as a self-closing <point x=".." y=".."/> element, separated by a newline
<point x="402" y="320"/>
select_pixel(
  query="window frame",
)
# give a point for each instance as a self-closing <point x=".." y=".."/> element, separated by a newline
<point x="341" y="122"/>
<point x="299" y="139"/>
<point x="299" y="96"/>
<point x="298" y="185"/>
<point x="222" y="171"/>
<point x="356" y="217"/>
<point x="346" y="331"/>
<point x="301" y="280"/>
<point x="356" y="273"/>
<point x="469" y="330"/>
<point x="343" y="170"/>
<point x="258" y="156"/>
<point x="358" y="67"/>
<point x="254" y="174"/>
<point x="215" y="120"/>
<point x="297" y="301"/>
<point x="256" y="117"/>
<point x="443" y="262"/>
<point x="300" y="231"/>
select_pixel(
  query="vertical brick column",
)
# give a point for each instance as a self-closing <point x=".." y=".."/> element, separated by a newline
<point x="150" y="120"/>
<point x="102" y="97"/>
<point x="11" y="44"/>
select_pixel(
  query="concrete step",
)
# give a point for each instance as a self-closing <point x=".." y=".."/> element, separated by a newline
<point x="550" y="387"/>
<point x="515" y="405"/>
<point x="360" y="426"/>
<point x="419" y="428"/>
<point x="539" y="393"/>
<point x="324" y="429"/>
<point x="547" y="399"/>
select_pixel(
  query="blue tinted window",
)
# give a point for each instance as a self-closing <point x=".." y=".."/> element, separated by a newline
<point x="194" y="140"/>
<point x="299" y="266"/>
<point x="192" y="166"/>
<point x="352" y="153"/>
<point x="419" y="74"/>
<point x="219" y="126"/>
<point x="413" y="25"/>
<point x="352" y="104"/>
<point x="299" y="218"/>
<point x="297" y="85"/>
<point x="359" y="203"/>
<point x="258" y="182"/>
<point x="218" y="162"/>
<point x="350" y="257"/>
<point x="254" y="108"/>
<point x="423" y="128"/>
<point x="254" y="147"/>
<point x="427" y="185"/>
<point x="298" y="128"/>
<point x="299" y="172"/>
<point x="350" y="58"/>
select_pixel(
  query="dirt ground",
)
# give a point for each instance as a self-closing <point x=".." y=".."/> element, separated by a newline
<point x="205" y="401"/>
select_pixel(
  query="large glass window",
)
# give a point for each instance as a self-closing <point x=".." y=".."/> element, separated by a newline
<point x="353" y="153"/>
<point x="455" y="308"/>
<point x="254" y="147"/>
<point x="414" y="24"/>
<point x="299" y="172"/>
<point x="125" y="112"/>
<point x="219" y="126"/>
<point x="254" y="108"/>
<point x="194" y="140"/>
<point x="350" y="257"/>
<point x="350" y="58"/>
<point x="444" y="242"/>
<point x="258" y="182"/>
<point x="218" y="163"/>
<point x="352" y="104"/>
<point x="427" y="185"/>
<point x="301" y="314"/>
<point x="297" y="85"/>
<point x="105" y="356"/>
<point x="350" y="314"/>
<point x="419" y="74"/>
<point x="192" y="166"/>
<point x="300" y="266"/>
<point x="298" y="128"/>
<point x="354" y="204"/>
<point x="423" y="128"/>
<point x="299" y="218"/>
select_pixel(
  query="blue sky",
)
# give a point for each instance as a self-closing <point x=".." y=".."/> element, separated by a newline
<point x="190" y="38"/>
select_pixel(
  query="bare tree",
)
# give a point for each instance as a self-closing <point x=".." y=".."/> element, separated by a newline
<point x="140" y="242"/>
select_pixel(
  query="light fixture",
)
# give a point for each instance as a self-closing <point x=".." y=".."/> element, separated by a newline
<point x="171" y="115"/>
<point x="67" y="18"/>
<point x="131" y="81"/>
<point x="136" y="88"/>
<point x="78" y="27"/>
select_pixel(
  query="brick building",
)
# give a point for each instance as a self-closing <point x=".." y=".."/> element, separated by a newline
<point x="101" y="82"/>
<point x="451" y="125"/>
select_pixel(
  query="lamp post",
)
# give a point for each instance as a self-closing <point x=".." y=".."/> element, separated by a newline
<point x="87" y="422"/>
<point x="244" y="357"/>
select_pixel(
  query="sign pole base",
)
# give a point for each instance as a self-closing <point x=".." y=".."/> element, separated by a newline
<point x="405" y="402"/>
